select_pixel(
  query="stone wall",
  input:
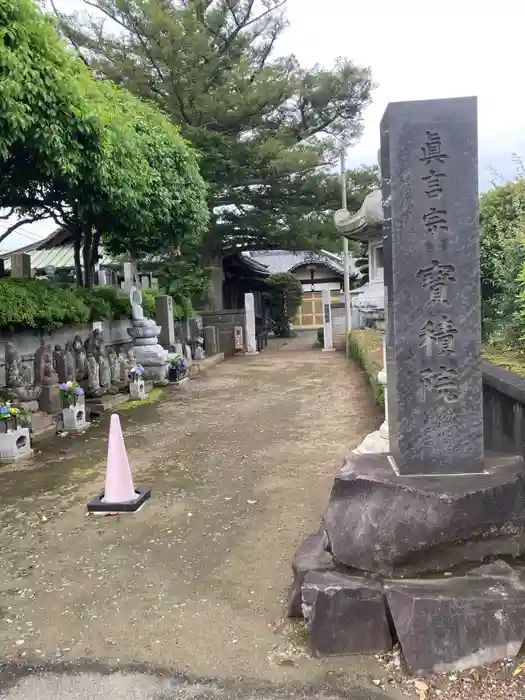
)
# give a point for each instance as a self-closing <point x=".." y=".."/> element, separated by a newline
<point x="503" y="409"/>
<point x="115" y="335"/>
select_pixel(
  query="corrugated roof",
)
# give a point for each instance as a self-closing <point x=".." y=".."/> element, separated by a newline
<point x="58" y="257"/>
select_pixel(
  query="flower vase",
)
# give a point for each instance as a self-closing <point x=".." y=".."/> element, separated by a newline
<point x="137" y="388"/>
<point x="74" y="417"/>
<point x="15" y="441"/>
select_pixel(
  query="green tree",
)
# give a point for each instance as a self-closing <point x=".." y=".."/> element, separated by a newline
<point x="136" y="183"/>
<point x="268" y="130"/>
<point x="48" y="133"/>
<point x="502" y="260"/>
<point x="284" y="293"/>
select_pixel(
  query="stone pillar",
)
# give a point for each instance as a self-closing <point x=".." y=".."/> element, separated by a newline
<point x="144" y="282"/>
<point x="164" y="318"/>
<point x="250" y="340"/>
<point x="129" y="277"/>
<point x="429" y="167"/>
<point x="327" y="328"/>
<point x="21" y="265"/>
<point x="211" y="343"/>
<point x="154" y="283"/>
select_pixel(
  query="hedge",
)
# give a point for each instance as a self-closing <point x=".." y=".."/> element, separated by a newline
<point x="44" y="305"/>
<point x="366" y="348"/>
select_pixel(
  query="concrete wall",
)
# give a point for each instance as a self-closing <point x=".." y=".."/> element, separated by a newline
<point x="114" y="333"/>
<point x="503" y="410"/>
<point x="224" y="320"/>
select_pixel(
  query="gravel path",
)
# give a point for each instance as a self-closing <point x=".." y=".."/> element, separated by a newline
<point x="240" y="463"/>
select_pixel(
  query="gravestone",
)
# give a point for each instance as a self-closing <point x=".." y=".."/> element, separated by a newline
<point x="20" y="265"/>
<point x="164" y="319"/>
<point x="429" y="164"/>
<point x="211" y="340"/>
<point x="249" y="306"/>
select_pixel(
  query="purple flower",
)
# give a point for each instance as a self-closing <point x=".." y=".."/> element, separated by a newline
<point x="63" y="387"/>
<point x="79" y="391"/>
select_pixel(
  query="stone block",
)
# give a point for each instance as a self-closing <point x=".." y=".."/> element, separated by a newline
<point x="211" y="340"/>
<point x="150" y="355"/>
<point x="137" y="390"/>
<point x="74" y="418"/>
<point x="164" y="317"/>
<point x="50" y="400"/>
<point x="429" y="166"/>
<point x="42" y="424"/>
<point x="139" y="332"/>
<point x="15" y="445"/>
<point x="381" y="522"/>
<point x="312" y="555"/>
<point x="345" y="614"/>
<point x="453" y="624"/>
<point x="21" y="265"/>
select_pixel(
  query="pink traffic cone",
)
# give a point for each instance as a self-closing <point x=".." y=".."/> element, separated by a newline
<point x="119" y="493"/>
<point x="119" y="483"/>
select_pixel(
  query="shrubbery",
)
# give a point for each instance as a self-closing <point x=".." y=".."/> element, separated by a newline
<point x="46" y="305"/>
<point x="284" y="294"/>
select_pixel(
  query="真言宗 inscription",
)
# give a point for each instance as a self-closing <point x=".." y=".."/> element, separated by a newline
<point x="429" y="170"/>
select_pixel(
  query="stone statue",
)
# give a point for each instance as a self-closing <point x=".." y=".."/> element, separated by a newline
<point x="132" y="361"/>
<point x="50" y="400"/>
<point x="92" y="344"/>
<point x="135" y="297"/>
<point x="70" y="362"/>
<point x="39" y="362"/>
<point x="80" y="359"/>
<point x="114" y="366"/>
<point x="59" y="363"/>
<point x="94" y="389"/>
<point x="17" y="376"/>
<point x="123" y="370"/>
<point x="104" y="372"/>
<point x="49" y="376"/>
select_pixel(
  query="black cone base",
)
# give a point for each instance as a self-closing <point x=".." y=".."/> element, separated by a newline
<point x="97" y="505"/>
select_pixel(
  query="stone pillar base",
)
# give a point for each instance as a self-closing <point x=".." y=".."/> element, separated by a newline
<point x="15" y="445"/>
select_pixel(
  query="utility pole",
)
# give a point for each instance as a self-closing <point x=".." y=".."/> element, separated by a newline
<point x="346" y="257"/>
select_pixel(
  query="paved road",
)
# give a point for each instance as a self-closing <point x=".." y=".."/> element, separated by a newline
<point x="241" y="464"/>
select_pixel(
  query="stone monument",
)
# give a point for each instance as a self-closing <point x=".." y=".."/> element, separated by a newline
<point x="433" y="286"/>
<point x="80" y="359"/>
<point x="18" y="377"/>
<point x="144" y="333"/>
<point x="435" y="502"/>
<point x="328" y="341"/>
<point x="251" y="341"/>
<point x="94" y="389"/>
<point x="49" y="400"/>
<point x="164" y="317"/>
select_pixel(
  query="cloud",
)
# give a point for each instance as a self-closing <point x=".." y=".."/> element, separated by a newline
<point x="420" y="51"/>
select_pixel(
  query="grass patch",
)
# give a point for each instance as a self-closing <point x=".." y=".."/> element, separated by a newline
<point x="508" y="358"/>
<point x="154" y="396"/>
<point x="366" y="348"/>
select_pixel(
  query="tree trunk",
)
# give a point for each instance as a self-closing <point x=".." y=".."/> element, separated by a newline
<point x="93" y="253"/>
<point x="77" y="245"/>
<point x="86" y="256"/>
<point x="215" y="293"/>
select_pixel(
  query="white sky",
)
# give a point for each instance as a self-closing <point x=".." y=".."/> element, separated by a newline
<point x="417" y="50"/>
